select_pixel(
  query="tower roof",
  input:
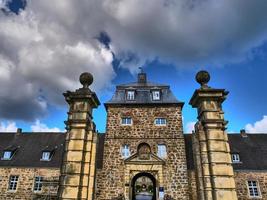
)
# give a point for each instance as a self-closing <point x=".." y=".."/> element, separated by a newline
<point x="143" y="93"/>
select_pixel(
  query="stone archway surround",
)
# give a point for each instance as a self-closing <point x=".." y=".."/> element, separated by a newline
<point x="134" y="169"/>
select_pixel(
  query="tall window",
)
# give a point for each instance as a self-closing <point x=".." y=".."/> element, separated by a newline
<point x="46" y="156"/>
<point x="156" y="95"/>
<point x="125" y="151"/>
<point x="13" y="182"/>
<point x="160" y="121"/>
<point x="130" y="95"/>
<point x="254" y="190"/>
<point x="38" y="183"/>
<point x="7" y="155"/>
<point x="235" y="158"/>
<point x="162" y="151"/>
<point x="126" y="121"/>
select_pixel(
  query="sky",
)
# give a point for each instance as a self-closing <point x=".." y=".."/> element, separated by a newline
<point x="45" y="46"/>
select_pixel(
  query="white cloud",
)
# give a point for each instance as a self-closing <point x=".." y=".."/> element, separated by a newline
<point x="258" y="127"/>
<point x="8" y="127"/>
<point x="41" y="127"/>
<point x="189" y="127"/>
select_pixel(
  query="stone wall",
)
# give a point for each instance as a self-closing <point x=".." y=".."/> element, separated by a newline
<point x="241" y="178"/>
<point x="111" y="179"/>
<point x="192" y="185"/>
<point x="26" y="183"/>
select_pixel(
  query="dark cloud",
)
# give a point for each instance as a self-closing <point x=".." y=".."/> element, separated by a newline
<point x="48" y="45"/>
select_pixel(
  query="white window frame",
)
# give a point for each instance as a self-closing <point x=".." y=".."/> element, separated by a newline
<point x="7" y="155"/>
<point x="13" y="183"/>
<point x="253" y="189"/>
<point x="130" y="95"/>
<point x="46" y="156"/>
<point x="126" y="121"/>
<point x="162" y="151"/>
<point x="160" y="121"/>
<point x="38" y="184"/>
<point x="235" y="158"/>
<point x="156" y="95"/>
<point x="125" y="151"/>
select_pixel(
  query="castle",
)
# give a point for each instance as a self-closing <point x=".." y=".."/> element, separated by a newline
<point x="144" y="153"/>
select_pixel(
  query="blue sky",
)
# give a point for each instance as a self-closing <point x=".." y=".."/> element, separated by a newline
<point x="44" y="48"/>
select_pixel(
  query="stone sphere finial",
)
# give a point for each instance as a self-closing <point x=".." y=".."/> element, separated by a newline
<point x="86" y="79"/>
<point x="203" y="77"/>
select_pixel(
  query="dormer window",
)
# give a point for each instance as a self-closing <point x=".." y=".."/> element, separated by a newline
<point x="46" y="156"/>
<point x="7" y="155"/>
<point x="235" y="158"/>
<point x="155" y="95"/>
<point x="130" y="95"/>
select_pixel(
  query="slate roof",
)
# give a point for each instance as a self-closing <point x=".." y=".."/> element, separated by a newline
<point x="143" y="93"/>
<point x="28" y="149"/>
<point x="251" y="149"/>
<point x="29" y="146"/>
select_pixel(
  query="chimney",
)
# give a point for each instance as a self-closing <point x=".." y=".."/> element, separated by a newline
<point x="243" y="133"/>
<point x="142" y="77"/>
<point x="19" y="130"/>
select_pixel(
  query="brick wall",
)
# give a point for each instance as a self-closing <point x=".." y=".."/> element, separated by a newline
<point x="26" y="182"/>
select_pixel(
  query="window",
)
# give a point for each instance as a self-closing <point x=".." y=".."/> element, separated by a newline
<point x="156" y="95"/>
<point x="126" y="121"/>
<point x="38" y="183"/>
<point x="162" y="151"/>
<point x="125" y="151"/>
<point x="253" y="189"/>
<point x="7" y="155"/>
<point x="46" y="156"/>
<point x="13" y="182"/>
<point x="160" y="121"/>
<point x="130" y="95"/>
<point x="235" y="158"/>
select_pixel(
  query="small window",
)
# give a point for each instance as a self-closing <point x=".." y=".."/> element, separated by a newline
<point x="38" y="183"/>
<point x="130" y="95"/>
<point x="7" y="155"/>
<point x="156" y="95"/>
<point x="126" y="121"/>
<point x="253" y="188"/>
<point x="46" y="156"/>
<point x="13" y="182"/>
<point x="162" y="151"/>
<point x="235" y="158"/>
<point x="125" y="151"/>
<point x="160" y="121"/>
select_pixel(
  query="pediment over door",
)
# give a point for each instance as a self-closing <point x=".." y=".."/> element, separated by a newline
<point x="149" y="159"/>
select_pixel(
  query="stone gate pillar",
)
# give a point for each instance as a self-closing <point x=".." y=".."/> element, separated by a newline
<point x="78" y="166"/>
<point x="215" y="177"/>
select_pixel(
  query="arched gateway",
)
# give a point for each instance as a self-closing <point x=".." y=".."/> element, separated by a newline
<point x="143" y="186"/>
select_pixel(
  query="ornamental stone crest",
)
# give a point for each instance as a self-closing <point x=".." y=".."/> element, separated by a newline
<point x="144" y="151"/>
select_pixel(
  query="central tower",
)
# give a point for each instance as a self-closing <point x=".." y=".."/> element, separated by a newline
<point x="144" y="150"/>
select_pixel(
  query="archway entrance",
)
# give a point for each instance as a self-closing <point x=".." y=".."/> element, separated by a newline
<point x="143" y="187"/>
